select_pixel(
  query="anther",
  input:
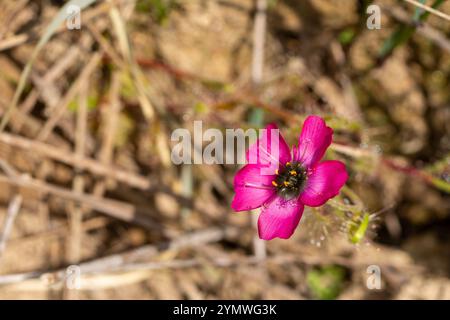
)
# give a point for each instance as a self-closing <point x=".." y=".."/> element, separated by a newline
<point x="277" y="171"/>
<point x="274" y="184"/>
<point x="293" y="172"/>
<point x="286" y="183"/>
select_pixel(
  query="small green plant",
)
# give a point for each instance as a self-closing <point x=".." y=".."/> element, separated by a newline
<point x="346" y="36"/>
<point x="326" y="283"/>
<point x="159" y="9"/>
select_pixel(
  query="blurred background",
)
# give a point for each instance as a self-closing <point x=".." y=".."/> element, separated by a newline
<point x="86" y="178"/>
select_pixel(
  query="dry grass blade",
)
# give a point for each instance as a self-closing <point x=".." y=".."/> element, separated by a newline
<point x="117" y="262"/>
<point x="114" y="208"/>
<point x="12" y="212"/>
<point x="259" y="36"/>
<point x="121" y="31"/>
<point x="56" y="22"/>
<point x="69" y="96"/>
<point x="429" y="9"/>
<point x="80" y="163"/>
<point x="75" y="211"/>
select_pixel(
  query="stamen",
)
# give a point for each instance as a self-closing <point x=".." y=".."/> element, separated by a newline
<point x="305" y="148"/>
<point x="277" y="171"/>
<point x="274" y="184"/>
<point x="293" y="173"/>
<point x="268" y="154"/>
<point x="257" y="186"/>
<point x="286" y="183"/>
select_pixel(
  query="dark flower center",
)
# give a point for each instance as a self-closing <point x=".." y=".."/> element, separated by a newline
<point x="289" y="180"/>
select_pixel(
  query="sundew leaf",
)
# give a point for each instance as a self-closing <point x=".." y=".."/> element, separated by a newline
<point x="61" y="16"/>
<point x="358" y="233"/>
<point x="441" y="184"/>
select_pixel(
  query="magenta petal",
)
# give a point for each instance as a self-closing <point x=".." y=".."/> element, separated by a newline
<point x="313" y="142"/>
<point x="252" y="189"/>
<point x="264" y="153"/>
<point x="324" y="182"/>
<point x="279" y="218"/>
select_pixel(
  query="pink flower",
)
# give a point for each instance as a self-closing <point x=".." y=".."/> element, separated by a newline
<point x="297" y="179"/>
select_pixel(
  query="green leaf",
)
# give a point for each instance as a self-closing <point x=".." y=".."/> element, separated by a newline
<point x="400" y="36"/>
<point x="418" y="12"/>
<point x="404" y="32"/>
